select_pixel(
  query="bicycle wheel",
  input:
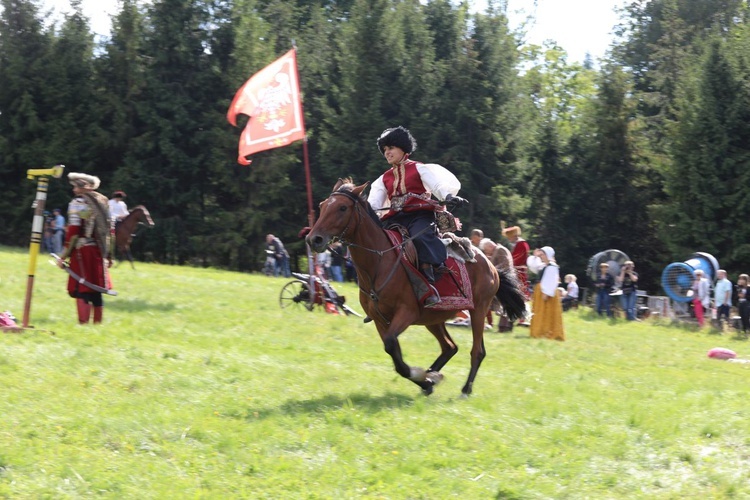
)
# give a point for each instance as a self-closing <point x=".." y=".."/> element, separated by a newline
<point x="295" y="294"/>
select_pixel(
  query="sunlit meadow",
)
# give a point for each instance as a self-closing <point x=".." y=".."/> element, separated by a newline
<point x="199" y="385"/>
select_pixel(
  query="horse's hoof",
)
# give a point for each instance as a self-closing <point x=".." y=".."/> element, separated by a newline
<point x="427" y="390"/>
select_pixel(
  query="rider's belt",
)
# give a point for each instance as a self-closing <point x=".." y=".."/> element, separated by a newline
<point x="399" y="202"/>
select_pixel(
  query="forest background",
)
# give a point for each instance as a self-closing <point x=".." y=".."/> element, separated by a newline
<point x="646" y="150"/>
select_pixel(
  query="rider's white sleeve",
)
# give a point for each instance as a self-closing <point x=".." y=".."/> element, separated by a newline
<point x="378" y="197"/>
<point x="438" y="180"/>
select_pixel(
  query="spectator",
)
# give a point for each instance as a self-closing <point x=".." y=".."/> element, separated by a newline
<point x="280" y="254"/>
<point x="628" y="281"/>
<point x="571" y="293"/>
<point x="743" y="301"/>
<point x="337" y="262"/>
<point x="603" y="285"/>
<point x="701" y="296"/>
<point x="476" y="237"/>
<point x="351" y="272"/>
<point x="499" y="256"/>
<point x="519" y="249"/>
<point x="48" y="238"/>
<point x="722" y="296"/>
<point x="546" y="319"/>
<point x="58" y="225"/>
<point x="323" y="264"/>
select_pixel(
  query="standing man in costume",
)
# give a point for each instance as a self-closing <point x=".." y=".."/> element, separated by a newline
<point x="519" y="248"/>
<point x="402" y="196"/>
<point x="87" y="245"/>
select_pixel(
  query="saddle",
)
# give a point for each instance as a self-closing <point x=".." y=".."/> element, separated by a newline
<point x="453" y="286"/>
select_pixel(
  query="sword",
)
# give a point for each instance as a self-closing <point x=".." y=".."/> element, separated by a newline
<point x="79" y="279"/>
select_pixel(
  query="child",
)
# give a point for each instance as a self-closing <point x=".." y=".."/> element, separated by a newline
<point x="571" y="293"/>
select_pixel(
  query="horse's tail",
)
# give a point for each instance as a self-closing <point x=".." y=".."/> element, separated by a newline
<point x="510" y="294"/>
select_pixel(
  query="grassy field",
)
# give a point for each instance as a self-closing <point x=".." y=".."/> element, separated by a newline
<point x="198" y="385"/>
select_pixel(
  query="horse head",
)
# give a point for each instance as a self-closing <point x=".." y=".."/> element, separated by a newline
<point x="338" y="215"/>
<point x="144" y="216"/>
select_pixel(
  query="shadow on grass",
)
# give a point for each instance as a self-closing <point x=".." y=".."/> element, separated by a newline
<point x="136" y="305"/>
<point x="329" y="402"/>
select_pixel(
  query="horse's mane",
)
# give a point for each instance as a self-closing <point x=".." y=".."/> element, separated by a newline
<point x="347" y="187"/>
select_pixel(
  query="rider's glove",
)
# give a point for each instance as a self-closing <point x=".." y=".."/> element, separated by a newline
<point x="454" y="202"/>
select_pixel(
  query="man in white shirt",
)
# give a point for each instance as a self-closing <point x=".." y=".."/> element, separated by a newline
<point x="722" y="295"/>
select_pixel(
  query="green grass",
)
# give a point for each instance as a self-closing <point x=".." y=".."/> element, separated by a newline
<point x="198" y="385"/>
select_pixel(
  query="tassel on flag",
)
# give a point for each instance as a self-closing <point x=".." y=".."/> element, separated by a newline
<point x="271" y="98"/>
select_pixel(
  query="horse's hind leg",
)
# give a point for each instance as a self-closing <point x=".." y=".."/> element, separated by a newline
<point x="477" y="348"/>
<point x="448" y="348"/>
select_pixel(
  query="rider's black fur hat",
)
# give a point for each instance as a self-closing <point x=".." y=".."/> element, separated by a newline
<point x="398" y="137"/>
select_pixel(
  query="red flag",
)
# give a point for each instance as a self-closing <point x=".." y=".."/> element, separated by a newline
<point x="272" y="100"/>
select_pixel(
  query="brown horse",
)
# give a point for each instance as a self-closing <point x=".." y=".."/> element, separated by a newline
<point x="126" y="229"/>
<point x="387" y="295"/>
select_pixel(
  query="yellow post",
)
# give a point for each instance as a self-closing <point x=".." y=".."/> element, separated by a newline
<point x="37" y="227"/>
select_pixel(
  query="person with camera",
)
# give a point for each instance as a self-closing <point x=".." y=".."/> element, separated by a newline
<point x="628" y="280"/>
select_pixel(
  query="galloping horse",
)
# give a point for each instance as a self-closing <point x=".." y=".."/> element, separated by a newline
<point x="126" y="229"/>
<point x="386" y="294"/>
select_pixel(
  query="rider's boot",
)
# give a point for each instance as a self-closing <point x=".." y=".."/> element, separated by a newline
<point x="84" y="311"/>
<point x="434" y="299"/>
<point x="428" y="273"/>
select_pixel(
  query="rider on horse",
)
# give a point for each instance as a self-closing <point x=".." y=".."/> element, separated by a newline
<point x="404" y="193"/>
<point x="118" y="210"/>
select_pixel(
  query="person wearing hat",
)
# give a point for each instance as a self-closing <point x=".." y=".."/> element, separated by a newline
<point x="519" y="249"/>
<point x="118" y="209"/>
<point x="87" y="245"/>
<point x="546" y="319"/>
<point x="403" y="196"/>
<point x="603" y="285"/>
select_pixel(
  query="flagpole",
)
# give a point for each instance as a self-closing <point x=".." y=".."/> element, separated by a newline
<point x="308" y="182"/>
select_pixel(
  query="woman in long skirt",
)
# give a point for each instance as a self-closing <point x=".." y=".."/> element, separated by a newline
<point x="546" y="320"/>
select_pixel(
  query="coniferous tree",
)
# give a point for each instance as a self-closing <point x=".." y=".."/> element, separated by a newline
<point x="707" y="182"/>
<point x="24" y="52"/>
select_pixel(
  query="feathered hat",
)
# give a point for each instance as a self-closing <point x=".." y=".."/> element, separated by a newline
<point x="398" y="137"/>
<point x="83" y="180"/>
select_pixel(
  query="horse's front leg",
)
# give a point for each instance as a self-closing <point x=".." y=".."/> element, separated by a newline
<point x="393" y="348"/>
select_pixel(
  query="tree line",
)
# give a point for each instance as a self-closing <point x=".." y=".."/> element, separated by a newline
<point x="647" y="151"/>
